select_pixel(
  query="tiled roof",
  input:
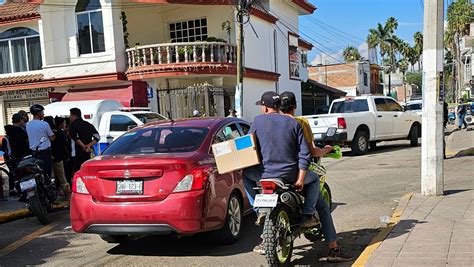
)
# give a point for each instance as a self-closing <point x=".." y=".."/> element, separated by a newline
<point x="17" y="11"/>
<point x="21" y="79"/>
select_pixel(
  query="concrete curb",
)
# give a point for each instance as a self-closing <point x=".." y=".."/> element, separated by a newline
<point x="384" y="231"/>
<point x="16" y="214"/>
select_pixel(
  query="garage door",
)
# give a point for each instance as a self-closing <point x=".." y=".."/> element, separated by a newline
<point x="12" y="107"/>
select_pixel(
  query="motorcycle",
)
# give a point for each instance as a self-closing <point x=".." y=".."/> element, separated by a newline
<point x="34" y="187"/>
<point x="282" y="204"/>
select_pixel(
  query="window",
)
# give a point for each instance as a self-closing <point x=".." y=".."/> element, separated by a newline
<point x="231" y="131"/>
<point x="366" y="79"/>
<point x="245" y="128"/>
<point x="393" y="105"/>
<point x="188" y="31"/>
<point x="349" y="106"/>
<point x="20" y="50"/>
<point x="294" y="57"/>
<point x="158" y="140"/>
<point x="121" y="123"/>
<point x="90" y="27"/>
<point x="381" y="105"/>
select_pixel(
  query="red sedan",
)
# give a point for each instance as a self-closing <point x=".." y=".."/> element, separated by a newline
<point x="161" y="178"/>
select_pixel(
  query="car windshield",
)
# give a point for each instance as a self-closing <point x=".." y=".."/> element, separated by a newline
<point x="158" y="140"/>
<point x="349" y="106"/>
<point x="414" y="106"/>
<point x="149" y="117"/>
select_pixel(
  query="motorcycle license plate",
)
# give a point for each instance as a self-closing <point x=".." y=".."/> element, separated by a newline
<point x="27" y="185"/>
<point x="265" y="201"/>
<point x="129" y="187"/>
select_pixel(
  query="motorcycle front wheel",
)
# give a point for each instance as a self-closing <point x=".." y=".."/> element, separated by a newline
<point x="277" y="238"/>
<point x="38" y="209"/>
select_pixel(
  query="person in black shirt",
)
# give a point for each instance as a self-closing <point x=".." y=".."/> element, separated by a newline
<point x="84" y="135"/>
<point x="15" y="145"/>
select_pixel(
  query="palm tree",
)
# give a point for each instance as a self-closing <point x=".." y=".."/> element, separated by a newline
<point x="459" y="15"/>
<point x="351" y="54"/>
<point x="382" y="38"/>
<point x="418" y="48"/>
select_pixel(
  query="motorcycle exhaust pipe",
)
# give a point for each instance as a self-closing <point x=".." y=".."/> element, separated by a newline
<point x="288" y="199"/>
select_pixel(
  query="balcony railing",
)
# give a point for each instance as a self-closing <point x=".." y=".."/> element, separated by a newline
<point x="172" y="53"/>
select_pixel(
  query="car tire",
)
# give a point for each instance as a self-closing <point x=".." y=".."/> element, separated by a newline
<point x="232" y="228"/>
<point x="360" y="143"/>
<point x="114" y="238"/>
<point x="414" y="133"/>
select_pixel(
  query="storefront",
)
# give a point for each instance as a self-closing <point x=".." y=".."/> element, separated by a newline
<point x="16" y="100"/>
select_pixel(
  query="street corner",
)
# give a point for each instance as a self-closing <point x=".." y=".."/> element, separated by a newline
<point x="384" y="232"/>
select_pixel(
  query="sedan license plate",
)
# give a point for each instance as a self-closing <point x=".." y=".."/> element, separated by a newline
<point x="129" y="187"/>
<point x="265" y="201"/>
<point x="27" y="185"/>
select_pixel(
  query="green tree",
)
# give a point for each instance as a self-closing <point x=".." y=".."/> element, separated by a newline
<point x="351" y="54"/>
<point x="418" y="48"/>
<point x="458" y="16"/>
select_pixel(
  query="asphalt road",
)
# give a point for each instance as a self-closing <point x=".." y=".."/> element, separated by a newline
<point x="364" y="188"/>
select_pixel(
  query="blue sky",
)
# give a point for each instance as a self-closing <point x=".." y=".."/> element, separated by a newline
<point x="354" y="18"/>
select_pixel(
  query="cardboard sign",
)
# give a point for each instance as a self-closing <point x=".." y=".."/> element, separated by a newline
<point x="236" y="154"/>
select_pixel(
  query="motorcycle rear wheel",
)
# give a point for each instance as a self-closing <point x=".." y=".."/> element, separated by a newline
<point x="38" y="209"/>
<point x="277" y="238"/>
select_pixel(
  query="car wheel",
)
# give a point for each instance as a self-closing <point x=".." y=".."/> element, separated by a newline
<point x="360" y="143"/>
<point x="414" y="135"/>
<point x="114" y="238"/>
<point x="231" y="230"/>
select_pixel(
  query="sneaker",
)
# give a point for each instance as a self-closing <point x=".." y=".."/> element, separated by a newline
<point x="309" y="221"/>
<point x="336" y="255"/>
<point x="260" y="250"/>
<point x="260" y="218"/>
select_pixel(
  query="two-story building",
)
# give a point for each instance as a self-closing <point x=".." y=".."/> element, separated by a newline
<point x="174" y="56"/>
<point x="467" y="72"/>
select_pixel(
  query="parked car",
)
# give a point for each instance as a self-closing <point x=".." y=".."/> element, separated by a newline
<point x="109" y="117"/>
<point x="364" y="120"/>
<point x="160" y="179"/>
<point x="415" y="106"/>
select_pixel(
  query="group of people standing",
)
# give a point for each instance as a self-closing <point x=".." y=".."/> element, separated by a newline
<point x="63" y="148"/>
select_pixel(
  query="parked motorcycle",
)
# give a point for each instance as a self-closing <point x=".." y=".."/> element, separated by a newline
<point x="283" y="204"/>
<point x="34" y="186"/>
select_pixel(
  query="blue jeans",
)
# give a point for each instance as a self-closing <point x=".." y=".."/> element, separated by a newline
<point x="311" y="188"/>
<point x="327" y="225"/>
<point x="461" y="120"/>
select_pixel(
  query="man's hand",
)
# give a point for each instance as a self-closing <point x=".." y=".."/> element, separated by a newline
<point x="299" y="184"/>
<point x="328" y="149"/>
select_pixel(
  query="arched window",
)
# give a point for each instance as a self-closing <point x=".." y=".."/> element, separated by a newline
<point x="20" y="50"/>
<point x="90" y="27"/>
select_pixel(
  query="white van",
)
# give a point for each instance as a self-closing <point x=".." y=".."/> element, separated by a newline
<point x="109" y="117"/>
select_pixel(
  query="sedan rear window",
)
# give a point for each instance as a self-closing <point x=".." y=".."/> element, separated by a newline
<point x="158" y="140"/>
<point x="349" y="106"/>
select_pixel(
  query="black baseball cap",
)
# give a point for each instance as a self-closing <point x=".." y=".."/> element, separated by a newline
<point x="269" y="99"/>
<point x="288" y="99"/>
<point x="17" y="117"/>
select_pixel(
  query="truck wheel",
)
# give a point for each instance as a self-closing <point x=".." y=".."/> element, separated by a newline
<point x="360" y="143"/>
<point x="414" y="135"/>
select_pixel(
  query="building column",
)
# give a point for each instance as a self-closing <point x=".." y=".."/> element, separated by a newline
<point x="219" y="95"/>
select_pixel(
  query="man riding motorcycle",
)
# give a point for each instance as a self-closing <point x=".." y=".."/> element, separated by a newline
<point x="288" y="107"/>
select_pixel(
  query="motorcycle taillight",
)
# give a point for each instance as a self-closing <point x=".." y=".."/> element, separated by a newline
<point x="268" y="187"/>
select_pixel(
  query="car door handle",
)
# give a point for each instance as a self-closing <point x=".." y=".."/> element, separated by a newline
<point x="379" y="116"/>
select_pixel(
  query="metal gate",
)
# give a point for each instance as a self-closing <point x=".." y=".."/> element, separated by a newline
<point x="181" y="102"/>
<point x="12" y="107"/>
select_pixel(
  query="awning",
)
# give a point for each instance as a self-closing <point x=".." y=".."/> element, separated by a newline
<point x="132" y="95"/>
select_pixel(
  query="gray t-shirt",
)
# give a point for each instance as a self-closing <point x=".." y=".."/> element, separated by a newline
<point x="37" y="129"/>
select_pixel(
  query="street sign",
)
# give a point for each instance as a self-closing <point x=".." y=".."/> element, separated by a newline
<point x="149" y="92"/>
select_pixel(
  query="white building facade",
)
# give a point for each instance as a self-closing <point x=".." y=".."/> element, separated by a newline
<point x="172" y="56"/>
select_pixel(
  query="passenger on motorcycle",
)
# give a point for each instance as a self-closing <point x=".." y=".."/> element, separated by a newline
<point x="284" y="154"/>
<point x="288" y="107"/>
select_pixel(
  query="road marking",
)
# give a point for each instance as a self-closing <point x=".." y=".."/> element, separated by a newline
<point x="384" y="232"/>
<point x="10" y="215"/>
<point x="17" y="244"/>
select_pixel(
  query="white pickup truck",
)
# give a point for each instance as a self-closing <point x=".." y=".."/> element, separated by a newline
<point x="364" y="120"/>
<point x="109" y="117"/>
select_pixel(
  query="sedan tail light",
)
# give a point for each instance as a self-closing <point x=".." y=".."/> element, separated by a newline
<point x="78" y="185"/>
<point x="196" y="180"/>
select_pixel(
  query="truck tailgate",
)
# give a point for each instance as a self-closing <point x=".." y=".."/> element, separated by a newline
<point x="321" y="123"/>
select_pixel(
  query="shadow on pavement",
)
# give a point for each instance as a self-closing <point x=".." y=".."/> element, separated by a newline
<point x="197" y="245"/>
<point x="455" y="191"/>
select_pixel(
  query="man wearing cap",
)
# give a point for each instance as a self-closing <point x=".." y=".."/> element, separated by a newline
<point x="284" y="154"/>
<point x="232" y="113"/>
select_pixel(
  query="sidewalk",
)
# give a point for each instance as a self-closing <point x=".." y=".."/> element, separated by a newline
<point x="433" y="231"/>
<point x="460" y="142"/>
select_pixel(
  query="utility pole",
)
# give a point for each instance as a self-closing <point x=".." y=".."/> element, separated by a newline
<point x="432" y="165"/>
<point x="239" y="92"/>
